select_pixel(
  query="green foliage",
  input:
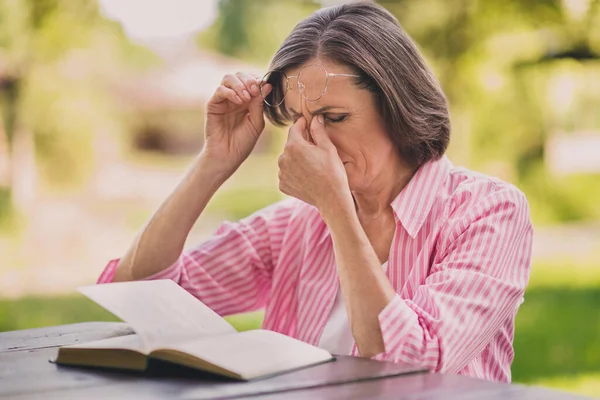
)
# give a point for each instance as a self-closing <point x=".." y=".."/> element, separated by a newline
<point x="55" y="52"/>
<point x="65" y="116"/>
<point x="253" y="30"/>
<point x="491" y="60"/>
<point x="555" y="200"/>
<point x="235" y="17"/>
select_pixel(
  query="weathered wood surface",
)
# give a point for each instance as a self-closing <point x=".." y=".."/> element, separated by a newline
<point x="62" y="335"/>
<point x="25" y="373"/>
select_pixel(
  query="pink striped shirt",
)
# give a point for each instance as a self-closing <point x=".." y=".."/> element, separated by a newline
<point x="459" y="262"/>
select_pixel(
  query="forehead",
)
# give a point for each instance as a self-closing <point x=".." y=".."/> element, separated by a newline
<point x="340" y="90"/>
<point x="330" y="66"/>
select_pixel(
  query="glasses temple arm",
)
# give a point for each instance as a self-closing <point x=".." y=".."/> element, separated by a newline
<point x="348" y="75"/>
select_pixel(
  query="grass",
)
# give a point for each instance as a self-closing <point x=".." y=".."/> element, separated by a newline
<point x="557" y="338"/>
<point x="37" y="312"/>
<point x="584" y="384"/>
<point x="557" y="333"/>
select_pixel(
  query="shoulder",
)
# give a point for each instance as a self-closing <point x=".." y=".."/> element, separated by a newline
<point x="486" y="221"/>
<point x="470" y="196"/>
<point x="466" y="188"/>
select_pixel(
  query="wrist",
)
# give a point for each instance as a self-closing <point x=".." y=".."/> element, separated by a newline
<point x="215" y="167"/>
<point x="338" y="204"/>
<point x="207" y="174"/>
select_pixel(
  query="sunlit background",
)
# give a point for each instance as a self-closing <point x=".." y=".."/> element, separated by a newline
<point x="102" y="110"/>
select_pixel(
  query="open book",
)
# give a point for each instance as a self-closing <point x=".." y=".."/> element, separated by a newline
<point x="172" y="325"/>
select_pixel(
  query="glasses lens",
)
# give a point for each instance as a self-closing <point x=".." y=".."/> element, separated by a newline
<point x="312" y="81"/>
<point x="278" y="81"/>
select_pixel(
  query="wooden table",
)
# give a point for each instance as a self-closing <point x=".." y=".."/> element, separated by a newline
<point x="25" y="372"/>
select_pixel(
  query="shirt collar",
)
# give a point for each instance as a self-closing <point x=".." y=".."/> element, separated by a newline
<point x="413" y="204"/>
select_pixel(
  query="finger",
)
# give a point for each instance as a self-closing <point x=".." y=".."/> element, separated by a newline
<point x="257" y="101"/>
<point x="265" y="89"/>
<point x="318" y="133"/>
<point x="233" y="82"/>
<point x="225" y="94"/>
<point x="297" y="131"/>
<point x="256" y="107"/>
<point x="250" y="82"/>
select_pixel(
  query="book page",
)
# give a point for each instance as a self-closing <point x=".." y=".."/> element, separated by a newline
<point x="160" y="311"/>
<point x="256" y="353"/>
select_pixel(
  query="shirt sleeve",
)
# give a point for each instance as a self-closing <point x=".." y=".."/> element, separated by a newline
<point x="230" y="272"/>
<point x="474" y="286"/>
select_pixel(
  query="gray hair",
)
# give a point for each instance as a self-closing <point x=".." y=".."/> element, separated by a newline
<point x="368" y="39"/>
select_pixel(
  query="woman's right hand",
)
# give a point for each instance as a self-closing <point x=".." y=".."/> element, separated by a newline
<point x="234" y="120"/>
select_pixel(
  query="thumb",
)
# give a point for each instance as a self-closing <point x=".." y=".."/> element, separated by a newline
<point x="317" y="131"/>
<point x="296" y="131"/>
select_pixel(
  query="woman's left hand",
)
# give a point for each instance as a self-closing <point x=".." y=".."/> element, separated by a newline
<point x="313" y="172"/>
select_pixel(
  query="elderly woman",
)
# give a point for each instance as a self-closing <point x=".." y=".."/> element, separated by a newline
<point x="384" y="249"/>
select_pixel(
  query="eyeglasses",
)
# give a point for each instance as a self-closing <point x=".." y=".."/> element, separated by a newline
<point x="319" y="79"/>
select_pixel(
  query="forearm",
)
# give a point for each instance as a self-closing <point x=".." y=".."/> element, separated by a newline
<point x="162" y="240"/>
<point x="365" y="287"/>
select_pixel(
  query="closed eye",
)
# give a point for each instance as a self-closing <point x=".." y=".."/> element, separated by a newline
<point x="329" y="118"/>
<point x="335" y="118"/>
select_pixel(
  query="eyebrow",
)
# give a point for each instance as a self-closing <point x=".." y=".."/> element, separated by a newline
<point x="318" y="111"/>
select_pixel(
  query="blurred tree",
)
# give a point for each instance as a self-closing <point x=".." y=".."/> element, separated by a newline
<point x="253" y="30"/>
<point x="48" y="78"/>
<point x="500" y="111"/>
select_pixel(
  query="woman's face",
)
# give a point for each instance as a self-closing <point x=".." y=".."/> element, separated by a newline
<point x="352" y="123"/>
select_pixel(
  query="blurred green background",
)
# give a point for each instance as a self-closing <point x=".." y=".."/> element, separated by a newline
<point x="102" y="111"/>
